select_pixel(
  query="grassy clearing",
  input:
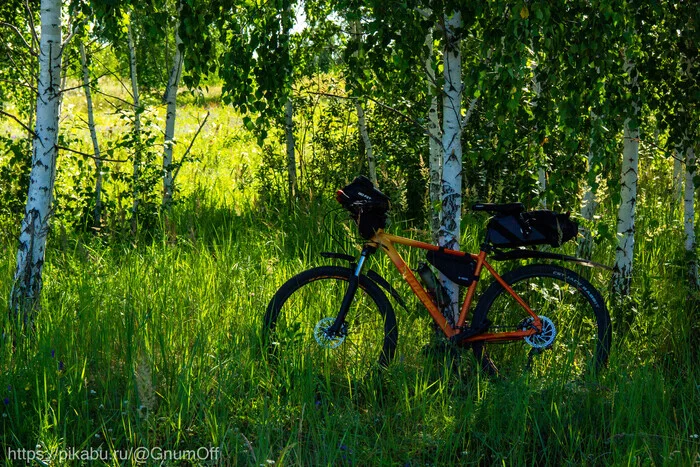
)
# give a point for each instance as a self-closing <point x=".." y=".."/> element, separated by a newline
<point x="156" y="344"/>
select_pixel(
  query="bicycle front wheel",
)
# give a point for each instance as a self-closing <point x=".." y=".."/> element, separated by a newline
<point x="576" y="333"/>
<point x="308" y="303"/>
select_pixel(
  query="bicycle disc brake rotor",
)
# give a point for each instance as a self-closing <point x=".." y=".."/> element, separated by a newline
<point x="325" y="340"/>
<point x="543" y="339"/>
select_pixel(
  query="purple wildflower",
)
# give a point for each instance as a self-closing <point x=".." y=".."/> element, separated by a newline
<point x="60" y="365"/>
<point x="6" y="401"/>
<point x="53" y="353"/>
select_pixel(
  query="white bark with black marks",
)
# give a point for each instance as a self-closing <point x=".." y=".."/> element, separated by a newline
<point x="361" y="120"/>
<point x="589" y="204"/>
<point x="291" y="157"/>
<point x="451" y="212"/>
<point x="689" y="213"/>
<point x="677" y="180"/>
<point x="624" y="255"/>
<point x="171" y="115"/>
<point x="26" y="288"/>
<point x="364" y="132"/>
<point x="541" y="173"/>
<point x="434" y="142"/>
<point x="137" y="127"/>
<point x="97" y="212"/>
<point x="289" y="112"/>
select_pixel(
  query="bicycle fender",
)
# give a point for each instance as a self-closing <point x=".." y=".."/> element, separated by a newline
<point x="523" y="254"/>
<point x="371" y="275"/>
<point x="383" y="283"/>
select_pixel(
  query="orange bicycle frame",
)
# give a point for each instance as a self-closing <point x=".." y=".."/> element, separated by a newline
<point x="386" y="242"/>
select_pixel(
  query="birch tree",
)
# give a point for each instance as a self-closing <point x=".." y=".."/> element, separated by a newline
<point x="136" y="189"/>
<point x="624" y="254"/>
<point x="97" y="211"/>
<point x="452" y="151"/>
<point x="289" y="108"/>
<point x="589" y="204"/>
<point x="689" y="213"/>
<point x="356" y="31"/>
<point x="171" y="113"/>
<point x="434" y="136"/>
<point x="27" y="284"/>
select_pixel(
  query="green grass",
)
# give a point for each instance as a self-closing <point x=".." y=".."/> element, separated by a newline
<point x="156" y="343"/>
<point x="158" y="346"/>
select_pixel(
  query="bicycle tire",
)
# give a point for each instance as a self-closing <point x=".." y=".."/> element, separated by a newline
<point x="577" y="310"/>
<point x="309" y="297"/>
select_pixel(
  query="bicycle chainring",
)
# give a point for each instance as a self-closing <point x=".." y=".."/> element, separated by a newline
<point x="324" y="339"/>
<point x="543" y="339"/>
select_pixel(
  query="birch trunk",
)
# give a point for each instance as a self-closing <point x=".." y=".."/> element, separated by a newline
<point x="362" y="124"/>
<point x="26" y="288"/>
<point x="289" y="108"/>
<point x="589" y="204"/>
<point x="541" y="174"/>
<point x="689" y="213"/>
<point x="677" y="181"/>
<point x="97" y="212"/>
<point x="542" y="186"/>
<point x="622" y="270"/>
<point x="452" y="153"/>
<point x="137" y="128"/>
<point x="291" y="159"/>
<point x="434" y="143"/>
<point x="361" y="121"/>
<point x="171" y="101"/>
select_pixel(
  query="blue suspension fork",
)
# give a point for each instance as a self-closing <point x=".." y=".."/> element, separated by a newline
<point x="353" y="283"/>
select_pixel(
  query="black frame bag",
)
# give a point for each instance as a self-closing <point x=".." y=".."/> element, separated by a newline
<point x="459" y="269"/>
<point x="368" y="206"/>
<point x="541" y="227"/>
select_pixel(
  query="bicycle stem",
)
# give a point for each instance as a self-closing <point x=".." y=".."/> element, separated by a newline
<point x="353" y="283"/>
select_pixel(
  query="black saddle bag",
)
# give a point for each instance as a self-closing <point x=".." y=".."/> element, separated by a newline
<point x="367" y="205"/>
<point x="531" y="228"/>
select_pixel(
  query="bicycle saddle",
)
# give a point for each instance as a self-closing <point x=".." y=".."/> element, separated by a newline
<point x="505" y="208"/>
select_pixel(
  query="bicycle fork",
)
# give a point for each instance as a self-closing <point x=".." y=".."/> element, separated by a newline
<point x="353" y="283"/>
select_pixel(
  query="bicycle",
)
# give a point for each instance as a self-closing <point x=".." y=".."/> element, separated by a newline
<point x="340" y="320"/>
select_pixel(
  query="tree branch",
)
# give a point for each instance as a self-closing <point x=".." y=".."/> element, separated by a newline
<point x="19" y="70"/>
<point x="654" y="145"/>
<point x="388" y="107"/>
<point x="19" y="34"/>
<point x="182" y="159"/>
<point x="91" y="156"/>
<point x="111" y="72"/>
<point x="470" y="110"/>
<point x="22" y="124"/>
<point x="93" y="81"/>
<point x="32" y="28"/>
<point x="19" y="83"/>
<point x="131" y="104"/>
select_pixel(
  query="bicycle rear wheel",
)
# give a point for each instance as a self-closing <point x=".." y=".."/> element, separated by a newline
<point x="308" y="303"/>
<point x="578" y="322"/>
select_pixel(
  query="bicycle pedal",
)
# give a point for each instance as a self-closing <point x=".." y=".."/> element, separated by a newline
<point x="469" y="331"/>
